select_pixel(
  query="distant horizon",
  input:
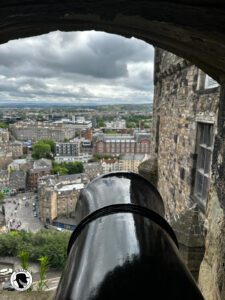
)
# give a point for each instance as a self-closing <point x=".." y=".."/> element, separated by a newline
<point x="64" y="104"/>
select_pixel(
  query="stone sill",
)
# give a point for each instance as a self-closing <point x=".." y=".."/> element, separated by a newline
<point x="33" y="295"/>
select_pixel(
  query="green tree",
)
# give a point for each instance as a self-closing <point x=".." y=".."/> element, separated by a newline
<point x="50" y="243"/>
<point x="50" y="142"/>
<point x="2" y="196"/>
<point x="41" y="150"/>
<point x="3" y="125"/>
<point x="100" y="122"/>
<point x="24" y="260"/>
<point x="43" y="267"/>
<point x="68" y="168"/>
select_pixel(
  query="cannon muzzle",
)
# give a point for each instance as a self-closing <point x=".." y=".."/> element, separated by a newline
<point x="122" y="247"/>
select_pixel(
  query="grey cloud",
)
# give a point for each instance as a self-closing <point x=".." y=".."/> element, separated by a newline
<point x="84" y="61"/>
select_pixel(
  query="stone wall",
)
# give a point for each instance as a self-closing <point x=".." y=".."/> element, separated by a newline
<point x="212" y="271"/>
<point x="4" y="295"/>
<point x="179" y="104"/>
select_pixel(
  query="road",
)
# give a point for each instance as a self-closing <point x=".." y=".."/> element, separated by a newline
<point x="19" y="212"/>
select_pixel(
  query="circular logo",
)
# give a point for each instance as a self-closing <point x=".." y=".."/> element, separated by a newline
<point x="21" y="280"/>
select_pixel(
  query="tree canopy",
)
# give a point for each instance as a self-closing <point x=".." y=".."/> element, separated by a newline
<point x="43" y="149"/>
<point x="3" y="125"/>
<point x="49" y="243"/>
<point x="68" y="168"/>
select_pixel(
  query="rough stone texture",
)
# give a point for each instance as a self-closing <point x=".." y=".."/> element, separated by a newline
<point x="4" y="295"/>
<point x="211" y="277"/>
<point x="178" y="105"/>
<point x="212" y="271"/>
<point x="189" y="229"/>
<point x="191" y="29"/>
<point x="149" y="170"/>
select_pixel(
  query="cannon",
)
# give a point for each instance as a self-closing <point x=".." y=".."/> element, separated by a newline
<point x="122" y="247"/>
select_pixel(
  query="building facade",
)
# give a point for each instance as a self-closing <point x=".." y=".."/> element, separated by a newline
<point x="111" y="165"/>
<point x="185" y="113"/>
<point x="131" y="162"/>
<point x="4" y="179"/>
<point x="68" y="148"/>
<point x="57" y="196"/>
<point x="4" y="135"/>
<point x="35" y="131"/>
<point x="116" y="124"/>
<point x="122" y="144"/>
<point x="41" y="167"/>
<point x="185" y="122"/>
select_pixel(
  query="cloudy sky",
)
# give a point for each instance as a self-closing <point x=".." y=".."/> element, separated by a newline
<point x="77" y="67"/>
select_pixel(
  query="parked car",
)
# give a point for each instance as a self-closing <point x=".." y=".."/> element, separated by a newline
<point x="35" y="214"/>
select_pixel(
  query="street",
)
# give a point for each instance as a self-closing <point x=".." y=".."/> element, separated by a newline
<point x="21" y="213"/>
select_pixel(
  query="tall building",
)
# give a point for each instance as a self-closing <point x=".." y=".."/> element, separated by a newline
<point x="68" y="148"/>
<point x="139" y="143"/>
<point x="57" y="196"/>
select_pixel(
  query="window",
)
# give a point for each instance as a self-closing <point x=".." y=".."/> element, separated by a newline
<point x="210" y="83"/>
<point x="205" y="82"/>
<point x="204" y="151"/>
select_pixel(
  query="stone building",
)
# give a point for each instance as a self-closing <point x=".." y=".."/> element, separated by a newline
<point x="35" y="131"/>
<point x="5" y="159"/>
<point x="41" y="167"/>
<point x="92" y="170"/>
<point x="17" y="181"/>
<point x="185" y="115"/>
<point x="20" y="164"/>
<point x="4" y="179"/>
<point x="57" y="195"/>
<point x="122" y="144"/>
<point x="111" y="165"/>
<point x="131" y="162"/>
<point x="116" y="124"/>
<point x="4" y="135"/>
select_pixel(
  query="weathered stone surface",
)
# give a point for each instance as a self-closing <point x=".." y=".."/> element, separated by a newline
<point x="212" y="271"/>
<point x="189" y="229"/>
<point x="178" y="105"/>
<point x="4" y="295"/>
<point x="149" y="170"/>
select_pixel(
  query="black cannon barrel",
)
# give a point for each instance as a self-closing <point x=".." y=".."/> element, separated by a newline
<point x="122" y="247"/>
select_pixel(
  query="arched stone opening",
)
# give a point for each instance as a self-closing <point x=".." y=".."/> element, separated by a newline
<point x="194" y="30"/>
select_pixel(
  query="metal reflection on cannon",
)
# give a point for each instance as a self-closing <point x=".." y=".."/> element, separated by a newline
<point x="122" y="247"/>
